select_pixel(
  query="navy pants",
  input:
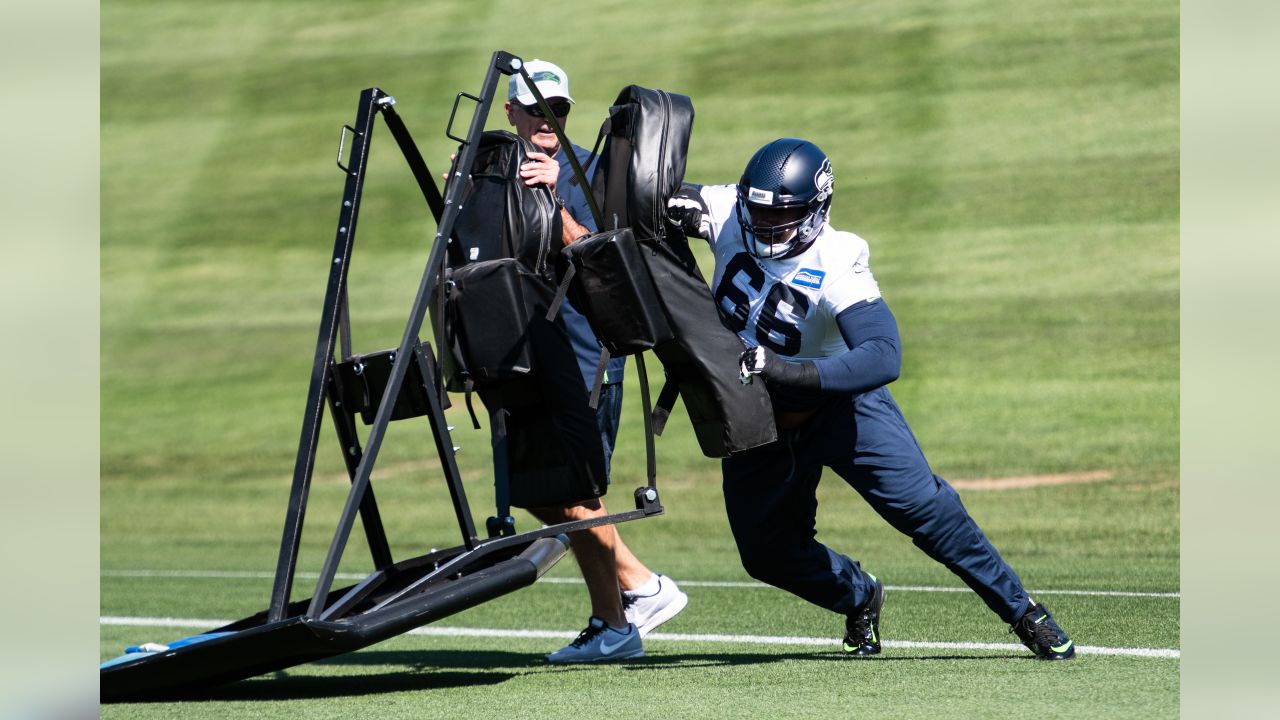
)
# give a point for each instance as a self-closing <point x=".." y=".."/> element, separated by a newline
<point x="770" y="496"/>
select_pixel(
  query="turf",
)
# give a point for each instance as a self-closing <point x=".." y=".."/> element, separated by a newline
<point x="1014" y="166"/>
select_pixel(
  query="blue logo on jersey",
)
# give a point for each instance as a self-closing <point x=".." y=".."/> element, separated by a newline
<point x="808" y="277"/>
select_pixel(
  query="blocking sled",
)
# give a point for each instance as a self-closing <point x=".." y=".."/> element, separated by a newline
<point x="403" y="383"/>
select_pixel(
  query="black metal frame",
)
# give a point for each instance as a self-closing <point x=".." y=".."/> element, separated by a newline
<point x="361" y="461"/>
<point x="396" y="596"/>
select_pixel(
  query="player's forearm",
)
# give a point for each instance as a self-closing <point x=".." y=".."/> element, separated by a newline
<point x="866" y="367"/>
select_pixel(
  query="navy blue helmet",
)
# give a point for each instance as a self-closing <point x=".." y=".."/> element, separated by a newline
<point x="786" y="186"/>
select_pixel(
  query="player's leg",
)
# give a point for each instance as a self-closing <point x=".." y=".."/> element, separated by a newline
<point x="769" y="495"/>
<point x="889" y="470"/>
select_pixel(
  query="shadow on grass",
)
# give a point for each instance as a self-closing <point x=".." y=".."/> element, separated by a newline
<point x="283" y="687"/>
<point x="439" y="669"/>
<point x="694" y="660"/>
<point x="485" y="661"/>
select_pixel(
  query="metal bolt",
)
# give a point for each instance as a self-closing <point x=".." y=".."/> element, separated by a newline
<point x="457" y="449"/>
<point x="346" y="203"/>
<point x="449" y="427"/>
<point x="352" y="450"/>
<point x="337" y="261"/>
<point x="650" y="494"/>
<point x="342" y="229"/>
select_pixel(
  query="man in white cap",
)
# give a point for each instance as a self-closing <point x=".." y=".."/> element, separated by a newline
<point x="627" y="599"/>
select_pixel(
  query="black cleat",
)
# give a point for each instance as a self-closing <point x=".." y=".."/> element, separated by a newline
<point x="1042" y="634"/>
<point x="862" y="628"/>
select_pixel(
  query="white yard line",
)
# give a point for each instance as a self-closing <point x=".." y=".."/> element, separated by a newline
<point x="251" y="575"/>
<point x="435" y="631"/>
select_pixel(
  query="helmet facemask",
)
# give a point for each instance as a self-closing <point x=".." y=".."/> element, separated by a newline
<point x="767" y="241"/>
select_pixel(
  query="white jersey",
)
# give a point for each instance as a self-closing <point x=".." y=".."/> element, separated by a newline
<point x="788" y="305"/>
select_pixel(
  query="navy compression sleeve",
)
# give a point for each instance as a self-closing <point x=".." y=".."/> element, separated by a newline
<point x="874" y="357"/>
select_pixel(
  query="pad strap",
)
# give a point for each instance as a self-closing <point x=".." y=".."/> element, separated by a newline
<point x="604" y="130"/>
<point x="475" y="421"/>
<point x="561" y="292"/>
<point x="601" y="367"/>
<point x="666" y="401"/>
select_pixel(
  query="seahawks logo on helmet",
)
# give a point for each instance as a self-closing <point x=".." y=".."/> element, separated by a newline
<point x="824" y="179"/>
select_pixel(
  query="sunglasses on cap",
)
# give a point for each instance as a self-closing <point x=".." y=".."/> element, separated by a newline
<point x="561" y="109"/>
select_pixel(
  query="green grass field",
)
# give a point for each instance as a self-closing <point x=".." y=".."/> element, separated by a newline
<point x="1014" y="166"/>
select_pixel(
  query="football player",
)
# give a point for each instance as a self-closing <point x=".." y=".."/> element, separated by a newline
<point x="801" y="296"/>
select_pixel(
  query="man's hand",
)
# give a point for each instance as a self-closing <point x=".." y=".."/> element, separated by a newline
<point x="540" y="168"/>
<point x="777" y="371"/>
<point x="686" y="213"/>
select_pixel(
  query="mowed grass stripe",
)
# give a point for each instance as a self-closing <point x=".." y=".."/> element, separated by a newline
<point x="672" y="637"/>
<point x="258" y="575"/>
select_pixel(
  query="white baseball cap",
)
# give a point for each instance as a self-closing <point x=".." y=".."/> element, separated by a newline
<point x="552" y="82"/>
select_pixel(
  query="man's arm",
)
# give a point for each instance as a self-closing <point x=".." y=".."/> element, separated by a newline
<point x="571" y="229"/>
<point x="874" y="357"/>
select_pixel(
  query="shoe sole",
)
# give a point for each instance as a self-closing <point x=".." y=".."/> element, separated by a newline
<point x="669" y="611"/>
<point x="1056" y="657"/>
<point x="602" y="658"/>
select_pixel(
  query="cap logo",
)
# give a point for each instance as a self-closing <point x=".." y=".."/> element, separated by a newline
<point x="759" y="196"/>
<point x="545" y="75"/>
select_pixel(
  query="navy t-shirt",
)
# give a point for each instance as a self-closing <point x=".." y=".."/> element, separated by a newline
<point x="585" y="345"/>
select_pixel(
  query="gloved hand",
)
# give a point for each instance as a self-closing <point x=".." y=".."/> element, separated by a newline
<point x="775" y="370"/>
<point x="686" y="213"/>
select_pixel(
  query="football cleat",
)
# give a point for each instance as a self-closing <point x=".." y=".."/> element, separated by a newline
<point x="862" y="628"/>
<point x="1041" y="633"/>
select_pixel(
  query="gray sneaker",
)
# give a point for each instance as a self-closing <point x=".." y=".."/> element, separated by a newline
<point x="647" y="612"/>
<point x="600" y="643"/>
